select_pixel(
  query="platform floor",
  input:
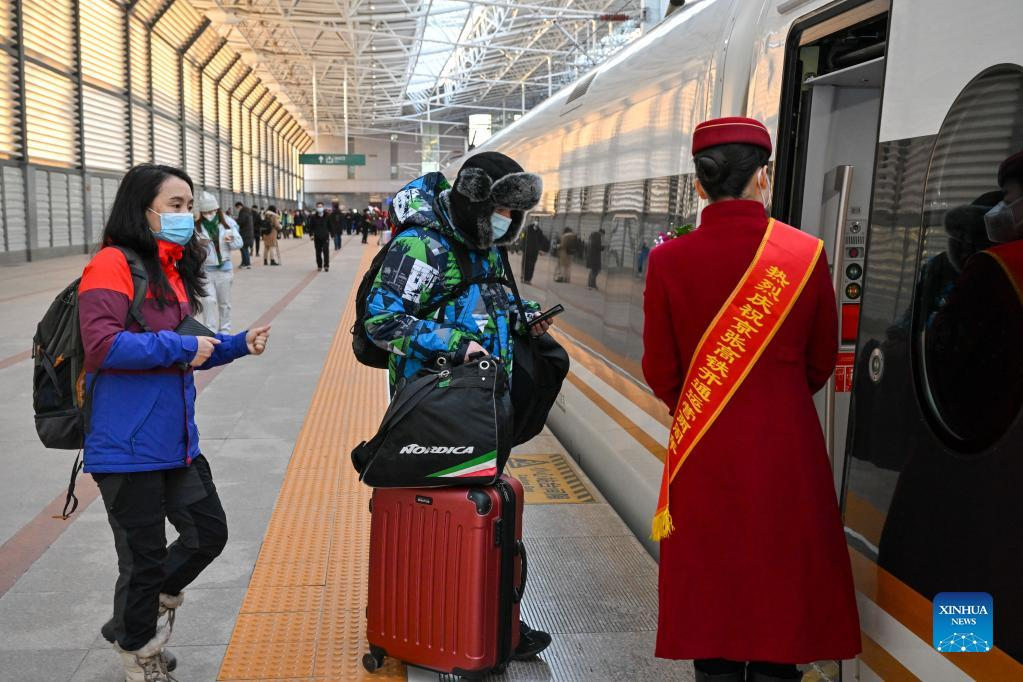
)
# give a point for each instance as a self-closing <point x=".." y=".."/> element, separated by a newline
<point x="285" y="600"/>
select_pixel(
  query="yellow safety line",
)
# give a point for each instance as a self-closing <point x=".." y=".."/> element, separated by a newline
<point x="304" y="612"/>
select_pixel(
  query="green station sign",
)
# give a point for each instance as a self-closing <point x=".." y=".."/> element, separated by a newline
<point x="332" y="159"/>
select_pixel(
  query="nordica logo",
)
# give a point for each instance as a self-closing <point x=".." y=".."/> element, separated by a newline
<point x="414" y="449"/>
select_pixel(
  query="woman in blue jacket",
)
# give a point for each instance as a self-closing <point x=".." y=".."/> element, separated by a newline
<point x="142" y="447"/>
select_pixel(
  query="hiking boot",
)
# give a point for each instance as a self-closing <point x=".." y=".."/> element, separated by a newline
<point x="169" y="659"/>
<point x="146" y="664"/>
<point x="531" y="643"/>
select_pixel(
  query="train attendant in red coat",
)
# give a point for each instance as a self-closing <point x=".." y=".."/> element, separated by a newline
<point x="740" y="332"/>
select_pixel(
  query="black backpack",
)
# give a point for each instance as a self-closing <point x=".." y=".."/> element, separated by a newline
<point x="58" y="380"/>
<point x="372" y="355"/>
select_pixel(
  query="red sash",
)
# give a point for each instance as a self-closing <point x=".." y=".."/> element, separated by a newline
<point x="733" y="343"/>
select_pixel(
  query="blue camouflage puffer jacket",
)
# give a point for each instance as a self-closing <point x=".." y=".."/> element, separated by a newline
<point x="418" y="272"/>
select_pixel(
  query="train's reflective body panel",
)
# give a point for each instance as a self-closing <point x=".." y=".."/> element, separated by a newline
<point x="891" y="119"/>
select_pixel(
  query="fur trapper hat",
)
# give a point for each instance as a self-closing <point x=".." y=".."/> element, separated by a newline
<point x="488" y="181"/>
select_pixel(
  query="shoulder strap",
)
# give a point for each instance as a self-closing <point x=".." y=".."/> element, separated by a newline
<point x="514" y="287"/>
<point x="140" y="282"/>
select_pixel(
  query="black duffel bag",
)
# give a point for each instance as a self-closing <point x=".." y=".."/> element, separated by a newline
<point x="540" y="367"/>
<point x="447" y="426"/>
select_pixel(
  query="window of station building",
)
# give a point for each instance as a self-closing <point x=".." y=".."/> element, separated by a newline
<point x="968" y="312"/>
<point x="10" y="124"/>
<point x="101" y="25"/>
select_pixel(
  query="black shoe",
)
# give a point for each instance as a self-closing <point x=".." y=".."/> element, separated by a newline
<point x="273" y="262"/>
<point x="319" y="269"/>
<point x="531" y="643"/>
<point x="264" y="261"/>
<point x="107" y="630"/>
<point x="326" y="269"/>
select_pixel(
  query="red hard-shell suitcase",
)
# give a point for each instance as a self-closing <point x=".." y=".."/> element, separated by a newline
<point x="447" y="568"/>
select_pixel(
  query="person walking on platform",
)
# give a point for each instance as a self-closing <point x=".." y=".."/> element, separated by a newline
<point x="752" y="547"/>
<point x="142" y="447"/>
<point x="271" y="230"/>
<point x="594" y="256"/>
<point x="247" y="229"/>
<point x="336" y="222"/>
<point x="318" y="227"/>
<point x="365" y="224"/>
<point x="258" y="226"/>
<point x="484" y="211"/>
<point x="299" y="222"/>
<point x="566" y="249"/>
<point x="219" y="235"/>
<point x="535" y="241"/>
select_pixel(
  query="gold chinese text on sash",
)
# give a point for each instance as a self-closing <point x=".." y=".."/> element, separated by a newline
<point x="733" y="343"/>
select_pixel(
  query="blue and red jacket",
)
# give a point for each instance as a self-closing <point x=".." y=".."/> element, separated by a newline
<point x="143" y="405"/>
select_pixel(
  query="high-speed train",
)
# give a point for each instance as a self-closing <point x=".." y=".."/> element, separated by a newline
<point x="890" y="119"/>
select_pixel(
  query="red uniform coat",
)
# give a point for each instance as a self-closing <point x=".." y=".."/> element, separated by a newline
<point x="757" y="567"/>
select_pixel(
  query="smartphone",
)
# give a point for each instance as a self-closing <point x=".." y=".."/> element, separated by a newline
<point x="547" y="314"/>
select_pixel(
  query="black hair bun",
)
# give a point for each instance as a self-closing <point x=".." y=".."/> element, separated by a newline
<point x="711" y="169"/>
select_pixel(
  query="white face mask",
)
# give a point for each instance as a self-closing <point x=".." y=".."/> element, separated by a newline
<point x="1004" y="222"/>
<point x="499" y="224"/>
<point x="209" y="216"/>
<point x="319" y="210"/>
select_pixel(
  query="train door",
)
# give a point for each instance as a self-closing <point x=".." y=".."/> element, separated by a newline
<point x="932" y="470"/>
<point x="824" y="174"/>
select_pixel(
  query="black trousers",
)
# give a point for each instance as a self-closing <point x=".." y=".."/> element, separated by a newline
<point x="137" y="504"/>
<point x="528" y="266"/>
<point x="723" y="666"/>
<point x="322" y="245"/>
<point x="593" y="278"/>
<point x="337" y="241"/>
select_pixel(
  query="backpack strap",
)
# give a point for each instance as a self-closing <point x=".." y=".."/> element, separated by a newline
<point x="140" y="282"/>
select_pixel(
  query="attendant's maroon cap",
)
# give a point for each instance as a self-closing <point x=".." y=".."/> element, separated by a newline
<point x="731" y="130"/>
<point x="1012" y="167"/>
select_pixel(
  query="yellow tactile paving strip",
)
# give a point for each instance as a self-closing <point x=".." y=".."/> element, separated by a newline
<point x="303" y="616"/>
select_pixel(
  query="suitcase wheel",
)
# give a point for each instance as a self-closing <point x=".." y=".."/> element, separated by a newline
<point x="374" y="660"/>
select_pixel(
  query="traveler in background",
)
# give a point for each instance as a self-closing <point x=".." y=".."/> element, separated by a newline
<point x="219" y="235"/>
<point x="336" y="222"/>
<point x="147" y="462"/>
<point x="745" y="570"/>
<point x="247" y="230"/>
<point x="286" y="225"/>
<point x="534" y="242"/>
<point x="272" y="227"/>
<point x="566" y="248"/>
<point x="318" y="227"/>
<point x="364" y="225"/>
<point x="594" y="256"/>
<point x="299" y="221"/>
<point x="481" y="318"/>
<point x="259" y="226"/>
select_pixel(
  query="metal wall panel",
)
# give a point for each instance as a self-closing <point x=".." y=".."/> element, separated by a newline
<point x="60" y="210"/>
<point x="15" y="223"/>
<point x="76" y="209"/>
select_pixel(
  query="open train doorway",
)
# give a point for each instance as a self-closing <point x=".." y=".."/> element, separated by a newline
<point x="830" y="116"/>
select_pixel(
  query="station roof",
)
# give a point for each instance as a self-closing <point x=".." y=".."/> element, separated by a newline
<point x="403" y="63"/>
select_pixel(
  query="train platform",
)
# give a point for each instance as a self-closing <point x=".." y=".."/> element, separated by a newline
<point x="286" y="598"/>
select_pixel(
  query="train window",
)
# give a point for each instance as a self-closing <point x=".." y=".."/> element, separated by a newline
<point x="968" y="312"/>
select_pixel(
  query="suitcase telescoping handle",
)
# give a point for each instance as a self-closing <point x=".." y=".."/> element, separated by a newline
<point x="520" y="549"/>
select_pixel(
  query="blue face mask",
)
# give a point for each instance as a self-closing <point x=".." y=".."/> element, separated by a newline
<point x="499" y="224"/>
<point x="176" y="228"/>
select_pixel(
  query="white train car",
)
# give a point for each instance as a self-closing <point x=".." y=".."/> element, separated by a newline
<point x="890" y="120"/>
